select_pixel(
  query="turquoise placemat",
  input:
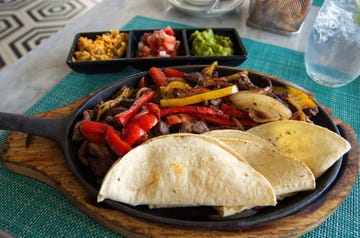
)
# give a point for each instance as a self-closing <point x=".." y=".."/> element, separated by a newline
<point x="317" y="3"/>
<point x="32" y="209"/>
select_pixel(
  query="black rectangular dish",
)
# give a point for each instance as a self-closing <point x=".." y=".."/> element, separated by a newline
<point x="184" y="55"/>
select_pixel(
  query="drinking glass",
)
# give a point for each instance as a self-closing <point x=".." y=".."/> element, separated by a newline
<point x="332" y="54"/>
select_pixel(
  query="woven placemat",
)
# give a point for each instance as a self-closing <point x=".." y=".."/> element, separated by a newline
<point x="32" y="209"/>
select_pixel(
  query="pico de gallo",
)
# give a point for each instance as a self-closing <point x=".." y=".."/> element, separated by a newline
<point x="160" y="43"/>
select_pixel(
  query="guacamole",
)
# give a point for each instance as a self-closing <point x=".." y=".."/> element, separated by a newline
<point x="206" y="43"/>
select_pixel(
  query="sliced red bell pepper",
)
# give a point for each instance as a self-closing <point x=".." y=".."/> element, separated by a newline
<point x="140" y="124"/>
<point x="199" y="110"/>
<point x="228" y="121"/>
<point x="158" y="76"/>
<point x="123" y="117"/>
<point x="142" y="139"/>
<point x="232" y="111"/>
<point x="132" y="133"/>
<point x="145" y="120"/>
<point x="154" y="108"/>
<point x="217" y="120"/>
<point x="116" y="143"/>
<point x="171" y="72"/>
<point x="241" y="116"/>
<point x="177" y="119"/>
<point x="93" y="131"/>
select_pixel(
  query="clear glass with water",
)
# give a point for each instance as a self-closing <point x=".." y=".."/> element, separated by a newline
<point x="332" y="55"/>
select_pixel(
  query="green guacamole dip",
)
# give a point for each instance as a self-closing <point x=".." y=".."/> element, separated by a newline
<point x="206" y="43"/>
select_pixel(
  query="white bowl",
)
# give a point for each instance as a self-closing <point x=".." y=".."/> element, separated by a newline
<point x="199" y="2"/>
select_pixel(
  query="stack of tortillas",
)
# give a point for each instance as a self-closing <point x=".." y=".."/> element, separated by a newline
<point x="230" y="170"/>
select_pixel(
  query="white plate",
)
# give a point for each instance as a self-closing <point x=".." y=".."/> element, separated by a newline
<point x="225" y="6"/>
<point x="199" y="2"/>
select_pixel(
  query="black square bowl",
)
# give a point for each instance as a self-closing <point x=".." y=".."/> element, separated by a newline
<point x="184" y="56"/>
<point x="147" y="62"/>
<point x="240" y="53"/>
<point x="96" y="66"/>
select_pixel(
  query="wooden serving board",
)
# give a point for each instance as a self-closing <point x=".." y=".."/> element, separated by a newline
<point x="42" y="159"/>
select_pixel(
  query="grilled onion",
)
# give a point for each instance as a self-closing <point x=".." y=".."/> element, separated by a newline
<point x="261" y="107"/>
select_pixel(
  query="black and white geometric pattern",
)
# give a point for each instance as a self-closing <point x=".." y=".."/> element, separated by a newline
<point x="24" y="24"/>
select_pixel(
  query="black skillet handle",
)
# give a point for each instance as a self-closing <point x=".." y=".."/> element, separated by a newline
<point x="52" y="128"/>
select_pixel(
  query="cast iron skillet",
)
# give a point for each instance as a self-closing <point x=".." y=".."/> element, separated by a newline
<point x="60" y="130"/>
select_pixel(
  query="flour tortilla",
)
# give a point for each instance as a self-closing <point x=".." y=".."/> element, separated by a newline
<point x="286" y="175"/>
<point x="185" y="170"/>
<point x="316" y="146"/>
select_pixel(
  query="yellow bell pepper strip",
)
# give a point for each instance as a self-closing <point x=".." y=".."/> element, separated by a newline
<point x="125" y="93"/>
<point x="297" y="98"/>
<point x="167" y="91"/>
<point x="208" y="71"/>
<point x="235" y="76"/>
<point x="218" y="93"/>
<point x="300" y="116"/>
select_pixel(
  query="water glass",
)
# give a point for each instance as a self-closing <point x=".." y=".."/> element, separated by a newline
<point x="332" y="55"/>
